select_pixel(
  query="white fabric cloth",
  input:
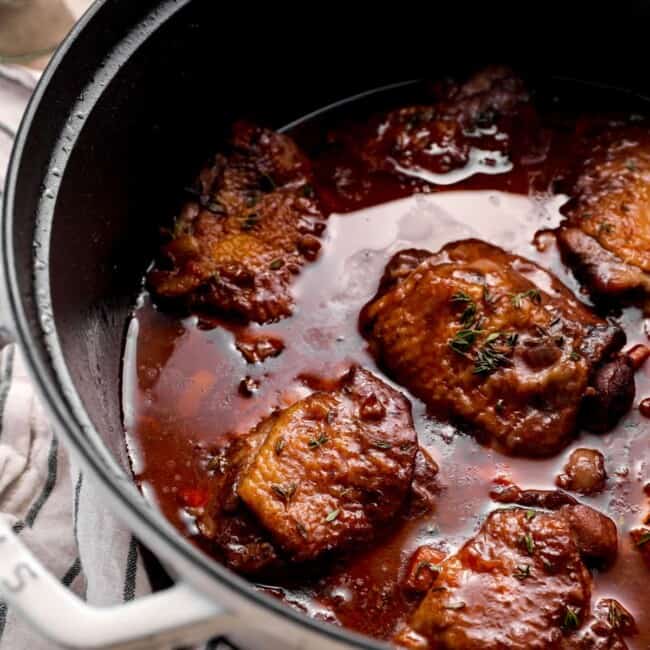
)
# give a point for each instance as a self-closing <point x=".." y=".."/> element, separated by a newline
<point x="55" y="511"/>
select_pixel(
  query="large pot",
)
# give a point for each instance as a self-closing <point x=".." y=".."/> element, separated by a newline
<point x="134" y="100"/>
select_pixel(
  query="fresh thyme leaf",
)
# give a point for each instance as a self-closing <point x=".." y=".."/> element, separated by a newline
<point x="469" y="313"/>
<point x="605" y="226"/>
<point x="571" y="620"/>
<point x="332" y="515"/>
<point x="529" y="543"/>
<point x="461" y="296"/>
<point x="522" y="572"/>
<point x="532" y="294"/>
<point x="512" y="338"/>
<point x="307" y="191"/>
<point x="631" y="165"/>
<point x="643" y="540"/>
<point x="488" y="296"/>
<point x="276" y="264"/>
<point x="574" y="356"/>
<point x="530" y="515"/>
<point x="279" y="446"/>
<point x="488" y="359"/>
<point x="493" y="336"/>
<point x="285" y="492"/>
<point x="315" y="443"/>
<point x="586" y="215"/>
<point x="216" y="208"/>
<point x="434" y="568"/>
<point x="382" y="444"/>
<point x="464" y="339"/>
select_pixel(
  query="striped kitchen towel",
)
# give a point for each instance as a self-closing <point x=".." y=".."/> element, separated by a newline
<point x="56" y="512"/>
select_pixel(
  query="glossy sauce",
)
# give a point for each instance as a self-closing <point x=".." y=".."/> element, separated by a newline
<point x="182" y="398"/>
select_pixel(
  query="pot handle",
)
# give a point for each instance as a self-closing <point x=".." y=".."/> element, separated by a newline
<point x="177" y="616"/>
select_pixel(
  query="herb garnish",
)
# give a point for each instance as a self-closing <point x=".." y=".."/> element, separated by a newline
<point x="469" y="313"/>
<point x="382" y="444"/>
<point x="276" y="264"/>
<point x="488" y="297"/>
<point x="307" y="191"/>
<point x="532" y="294"/>
<point x="528" y="541"/>
<point x="249" y="221"/>
<point x="435" y="568"/>
<point x="605" y="226"/>
<point x="643" y="540"/>
<point x="285" y="492"/>
<point x="464" y="338"/>
<point x="522" y="572"/>
<point x="332" y="515"/>
<point x="571" y="620"/>
<point x="530" y="515"/>
<point x="574" y="356"/>
<point x="488" y="359"/>
<point x="315" y="443"/>
<point x="499" y="407"/>
<point x="279" y="446"/>
<point x="512" y="338"/>
<point x="631" y="165"/>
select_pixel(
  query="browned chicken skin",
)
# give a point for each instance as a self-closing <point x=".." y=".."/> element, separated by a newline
<point x="256" y="224"/>
<point x="495" y="343"/>
<point x="521" y="582"/>
<point x="441" y="137"/>
<point x="328" y="471"/>
<point x="606" y="235"/>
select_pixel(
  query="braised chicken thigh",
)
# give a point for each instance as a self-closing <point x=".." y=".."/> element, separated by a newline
<point x="521" y="582"/>
<point x="495" y="343"/>
<point x="327" y="471"/>
<point x="256" y="222"/>
<point x="606" y="235"/>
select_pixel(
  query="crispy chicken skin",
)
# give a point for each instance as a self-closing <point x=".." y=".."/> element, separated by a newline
<point x="333" y="467"/>
<point x="494" y="343"/>
<point x="521" y="582"/>
<point x="244" y="545"/>
<point x="317" y="476"/>
<point x="257" y="222"/>
<point x="440" y="137"/>
<point x="606" y="234"/>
